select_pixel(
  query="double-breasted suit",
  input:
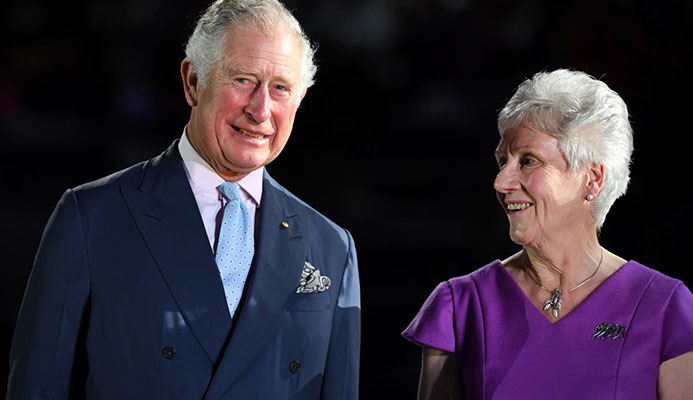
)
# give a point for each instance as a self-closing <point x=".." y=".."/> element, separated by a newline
<point x="125" y="300"/>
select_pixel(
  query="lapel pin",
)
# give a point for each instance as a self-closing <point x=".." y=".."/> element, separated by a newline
<point x="311" y="280"/>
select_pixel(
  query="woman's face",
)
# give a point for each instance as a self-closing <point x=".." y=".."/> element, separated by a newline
<point x="542" y="198"/>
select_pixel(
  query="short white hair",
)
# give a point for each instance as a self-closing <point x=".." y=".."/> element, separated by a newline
<point x="589" y="120"/>
<point x="205" y="46"/>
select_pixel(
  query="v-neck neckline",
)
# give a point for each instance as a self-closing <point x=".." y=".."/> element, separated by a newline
<point x="575" y="309"/>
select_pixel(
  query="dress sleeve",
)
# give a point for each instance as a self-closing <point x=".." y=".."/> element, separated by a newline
<point x="433" y="326"/>
<point x="677" y="329"/>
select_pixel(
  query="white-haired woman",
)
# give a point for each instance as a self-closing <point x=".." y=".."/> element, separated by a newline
<point x="563" y="318"/>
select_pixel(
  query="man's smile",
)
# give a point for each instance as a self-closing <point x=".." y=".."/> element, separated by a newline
<point x="249" y="134"/>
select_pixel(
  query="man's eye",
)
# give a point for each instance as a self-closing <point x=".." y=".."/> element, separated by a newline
<point x="242" y="81"/>
<point x="282" y="89"/>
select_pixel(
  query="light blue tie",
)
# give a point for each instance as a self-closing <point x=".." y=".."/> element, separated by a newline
<point x="235" y="247"/>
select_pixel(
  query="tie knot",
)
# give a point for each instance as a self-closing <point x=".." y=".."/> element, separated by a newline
<point x="230" y="190"/>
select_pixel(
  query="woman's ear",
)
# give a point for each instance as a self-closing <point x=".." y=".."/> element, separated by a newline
<point x="596" y="173"/>
<point x="190" y="82"/>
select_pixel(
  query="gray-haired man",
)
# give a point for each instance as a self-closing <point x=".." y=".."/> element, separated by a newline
<point x="195" y="274"/>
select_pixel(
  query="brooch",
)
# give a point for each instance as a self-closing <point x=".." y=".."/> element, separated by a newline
<point x="609" y="330"/>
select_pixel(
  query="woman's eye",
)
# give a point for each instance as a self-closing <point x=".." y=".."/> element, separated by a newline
<point x="500" y="161"/>
<point x="526" y="161"/>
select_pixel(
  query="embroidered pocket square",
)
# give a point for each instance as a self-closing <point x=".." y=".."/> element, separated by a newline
<point x="311" y="280"/>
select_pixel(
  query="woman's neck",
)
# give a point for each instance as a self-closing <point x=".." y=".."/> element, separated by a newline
<point x="562" y="267"/>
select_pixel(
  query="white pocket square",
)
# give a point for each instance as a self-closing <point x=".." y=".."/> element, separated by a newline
<point x="311" y="280"/>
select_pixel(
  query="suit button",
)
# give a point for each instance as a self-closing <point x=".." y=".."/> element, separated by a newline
<point x="294" y="366"/>
<point x="169" y="353"/>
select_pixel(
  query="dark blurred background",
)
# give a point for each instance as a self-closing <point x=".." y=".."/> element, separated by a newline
<point x="394" y="142"/>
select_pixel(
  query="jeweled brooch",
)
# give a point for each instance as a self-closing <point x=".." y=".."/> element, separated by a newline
<point x="609" y="330"/>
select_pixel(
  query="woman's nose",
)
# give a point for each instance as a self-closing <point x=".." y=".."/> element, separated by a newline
<point x="506" y="180"/>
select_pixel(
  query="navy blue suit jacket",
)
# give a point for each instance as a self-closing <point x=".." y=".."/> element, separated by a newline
<point x="125" y="300"/>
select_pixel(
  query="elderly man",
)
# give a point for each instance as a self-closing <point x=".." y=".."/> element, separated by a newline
<point x="195" y="274"/>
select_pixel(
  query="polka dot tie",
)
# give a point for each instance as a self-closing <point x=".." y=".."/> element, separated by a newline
<point x="235" y="247"/>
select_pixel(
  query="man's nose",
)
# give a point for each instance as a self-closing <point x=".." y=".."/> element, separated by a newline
<point x="258" y="108"/>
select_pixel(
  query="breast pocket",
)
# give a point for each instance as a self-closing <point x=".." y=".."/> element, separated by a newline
<point x="309" y="301"/>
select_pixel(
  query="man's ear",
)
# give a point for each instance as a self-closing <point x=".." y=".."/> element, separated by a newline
<point x="190" y="82"/>
<point x="596" y="173"/>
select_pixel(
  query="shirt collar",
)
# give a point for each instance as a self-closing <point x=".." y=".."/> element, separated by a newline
<point x="204" y="180"/>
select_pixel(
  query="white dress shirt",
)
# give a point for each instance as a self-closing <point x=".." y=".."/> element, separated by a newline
<point x="204" y="181"/>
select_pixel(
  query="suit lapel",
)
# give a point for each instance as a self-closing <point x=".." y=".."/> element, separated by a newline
<point x="166" y="213"/>
<point x="280" y="254"/>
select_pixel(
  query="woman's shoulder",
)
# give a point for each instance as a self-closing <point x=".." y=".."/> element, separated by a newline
<point x="451" y="305"/>
<point x="481" y="277"/>
<point x="665" y="305"/>
<point x="634" y="272"/>
<point x="656" y="294"/>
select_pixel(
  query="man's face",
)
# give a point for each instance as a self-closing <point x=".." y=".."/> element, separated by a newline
<point x="242" y="117"/>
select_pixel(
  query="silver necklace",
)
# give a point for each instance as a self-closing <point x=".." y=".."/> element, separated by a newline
<point x="555" y="300"/>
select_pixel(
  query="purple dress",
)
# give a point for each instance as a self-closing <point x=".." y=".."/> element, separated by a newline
<point x="507" y="349"/>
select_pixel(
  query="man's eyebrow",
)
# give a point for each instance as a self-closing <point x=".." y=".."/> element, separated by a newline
<point x="237" y="69"/>
<point x="232" y="69"/>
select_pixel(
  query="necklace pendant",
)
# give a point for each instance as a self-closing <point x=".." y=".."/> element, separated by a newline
<point x="554" y="302"/>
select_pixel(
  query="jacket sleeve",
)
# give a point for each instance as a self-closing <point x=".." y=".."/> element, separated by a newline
<point x="341" y="380"/>
<point x="45" y="337"/>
